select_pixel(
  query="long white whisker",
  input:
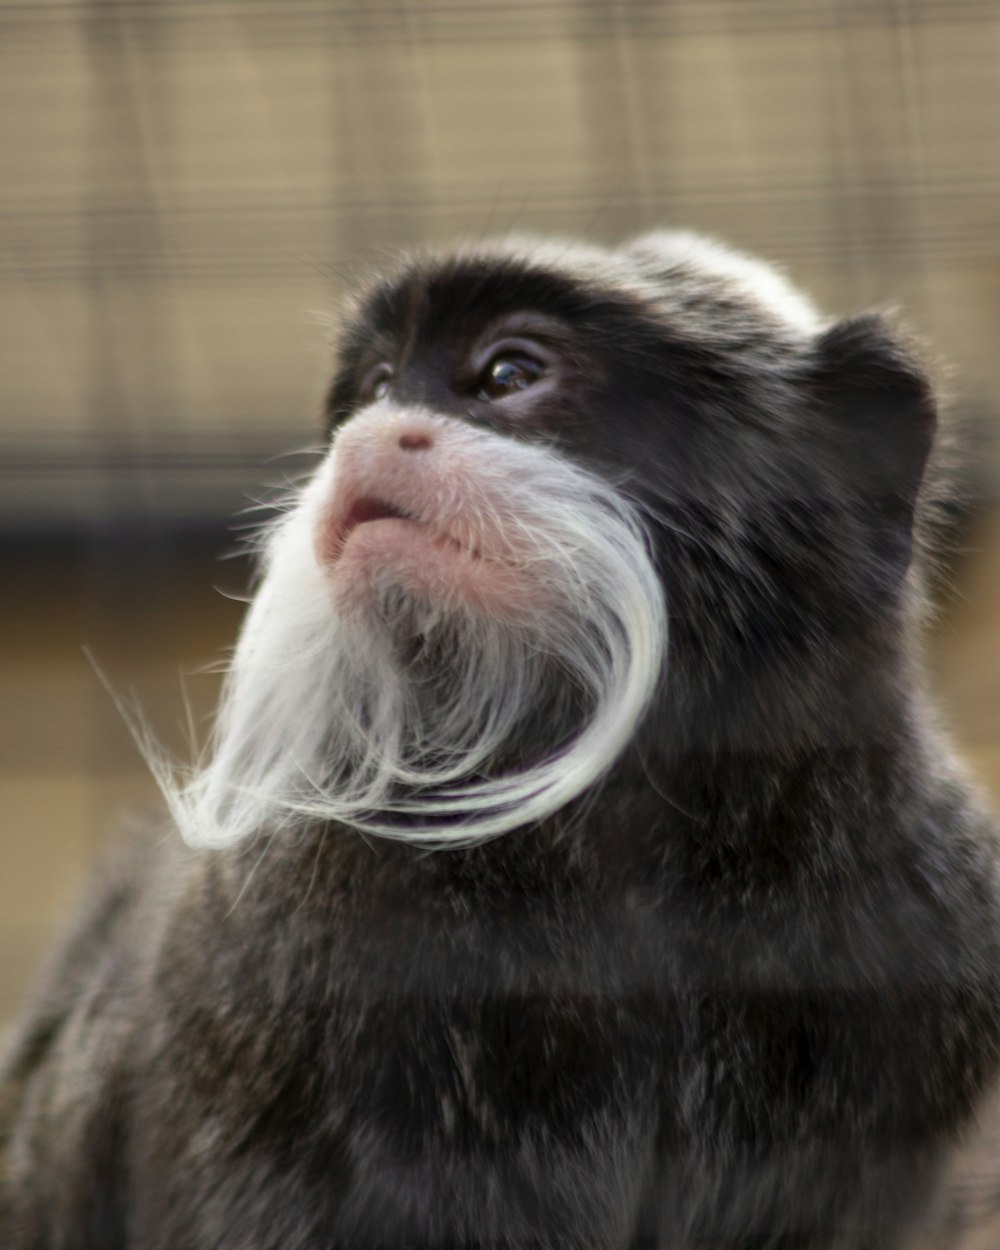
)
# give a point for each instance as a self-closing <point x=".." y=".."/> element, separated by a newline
<point x="323" y="719"/>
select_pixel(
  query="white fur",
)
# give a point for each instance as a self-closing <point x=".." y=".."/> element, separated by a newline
<point x="755" y="280"/>
<point x="322" y="718"/>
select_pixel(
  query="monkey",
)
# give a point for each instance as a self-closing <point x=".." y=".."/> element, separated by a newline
<point x="577" y="860"/>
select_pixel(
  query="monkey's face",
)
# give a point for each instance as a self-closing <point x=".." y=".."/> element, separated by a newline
<point x="462" y="619"/>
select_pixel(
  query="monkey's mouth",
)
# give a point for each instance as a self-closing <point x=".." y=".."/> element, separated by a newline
<point x="367" y="509"/>
<point x="372" y="544"/>
<point x="371" y="510"/>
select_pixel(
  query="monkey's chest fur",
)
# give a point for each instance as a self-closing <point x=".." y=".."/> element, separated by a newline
<point x="531" y="1043"/>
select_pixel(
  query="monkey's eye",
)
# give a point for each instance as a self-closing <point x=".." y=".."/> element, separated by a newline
<point x="507" y="373"/>
<point x="375" y="384"/>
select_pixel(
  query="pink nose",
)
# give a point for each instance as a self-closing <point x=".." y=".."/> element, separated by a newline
<point x="415" y="440"/>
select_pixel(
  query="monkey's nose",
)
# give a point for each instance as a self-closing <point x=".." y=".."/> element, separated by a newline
<point x="415" y="440"/>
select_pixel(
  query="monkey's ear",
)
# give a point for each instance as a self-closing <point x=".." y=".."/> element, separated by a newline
<point x="878" y="406"/>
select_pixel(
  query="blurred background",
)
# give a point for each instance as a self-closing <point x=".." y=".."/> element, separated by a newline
<point x="188" y="188"/>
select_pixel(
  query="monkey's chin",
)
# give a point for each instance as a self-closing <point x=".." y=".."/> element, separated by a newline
<point x="395" y="554"/>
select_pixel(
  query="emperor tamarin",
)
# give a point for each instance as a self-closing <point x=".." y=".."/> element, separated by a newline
<point x="575" y="861"/>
